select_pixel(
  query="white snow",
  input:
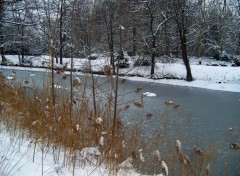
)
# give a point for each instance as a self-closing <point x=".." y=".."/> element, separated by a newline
<point x="149" y="94"/>
<point x="76" y="82"/>
<point x="225" y="78"/>
<point x="208" y="77"/>
<point x="178" y="146"/>
<point x="165" y="167"/>
<point x="17" y="158"/>
<point x="141" y="155"/>
<point x="122" y="27"/>
<point x="157" y="155"/>
<point x="90" y="152"/>
<point x="127" y="164"/>
<point x="77" y="127"/>
<point x="10" y="77"/>
<point x="101" y="141"/>
<point x="57" y="86"/>
<point x="99" y="120"/>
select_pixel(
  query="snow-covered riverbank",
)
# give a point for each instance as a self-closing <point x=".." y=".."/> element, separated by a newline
<point x="210" y="74"/>
<point x="19" y="157"/>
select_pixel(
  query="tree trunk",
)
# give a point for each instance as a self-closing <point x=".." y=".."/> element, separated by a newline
<point x="60" y="33"/>
<point x="153" y="54"/>
<point x="200" y="46"/>
<point x="22" y="55"/>
<point x="182" y="24"/>
<point x="1" y="37"/>
<point x="121" y="55"/>
<point x="52" y="70"/>
<point x="183" y="38"/>
<point x="238" y="44"/>
<point x="134" y="41"/>
<point x="110" y="45"/>
<point x="71" y="83"/>
<point x="112" y="60"/>
<point x="167" y="41"/>
<point x="22" y="49"/>
<point x="4" y="60"/>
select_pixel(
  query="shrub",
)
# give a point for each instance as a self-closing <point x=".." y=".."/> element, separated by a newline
<point x="222" y="56"/>
<point x="93" y="56"/>
<point x="142" y="61"/>
<point x="237" y="61"/>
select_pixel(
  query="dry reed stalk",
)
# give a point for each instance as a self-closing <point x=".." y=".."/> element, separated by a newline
<point x="72" y="138"/>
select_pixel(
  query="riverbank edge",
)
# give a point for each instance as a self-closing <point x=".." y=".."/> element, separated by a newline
<point x="175" y="81"/>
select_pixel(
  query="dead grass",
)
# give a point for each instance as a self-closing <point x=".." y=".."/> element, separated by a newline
<point x="52" y="126"/>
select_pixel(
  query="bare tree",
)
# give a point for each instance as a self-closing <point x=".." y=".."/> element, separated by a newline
<point x="21" y="23"/>
<point x="157" y="19"/>
<point x="5" y="10"/>
<point x="83" y="26"/>
<point x="61" y="37"/>
<point x="1" y="34"/>
<point x="108" y="12"/>
<point x="182" y="12"/>
<point x="220" y="26"/>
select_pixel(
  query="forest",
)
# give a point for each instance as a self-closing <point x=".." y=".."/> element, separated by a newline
<point x="153" y="28"/>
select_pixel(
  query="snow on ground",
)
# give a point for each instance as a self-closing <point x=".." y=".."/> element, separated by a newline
<point x="79" y="63"/>
<point x="225" y="78"/>
<point x="208" y="77"/>
<point x="18" y="158"/>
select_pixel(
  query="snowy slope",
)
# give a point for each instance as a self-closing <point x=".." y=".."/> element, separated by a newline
<point x="18" y="158"/>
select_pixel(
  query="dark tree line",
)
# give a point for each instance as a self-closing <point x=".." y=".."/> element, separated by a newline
<point x="150" y="28"/>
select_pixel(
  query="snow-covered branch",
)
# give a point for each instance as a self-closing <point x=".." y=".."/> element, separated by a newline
<point x="162" y="23"/>
<point x="18" y="23"/>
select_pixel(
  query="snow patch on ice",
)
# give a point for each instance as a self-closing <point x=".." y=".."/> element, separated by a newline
<point x="10" y="77"/>
<point x="149" y="94"/>
<point x="57" y="86"/>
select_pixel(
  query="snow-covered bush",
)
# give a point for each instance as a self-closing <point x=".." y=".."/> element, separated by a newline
<point x="236" y="61"/>
<point x="224" y="56"/>
<point x="142" y="61"/>
<point x="93" y="56"/>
